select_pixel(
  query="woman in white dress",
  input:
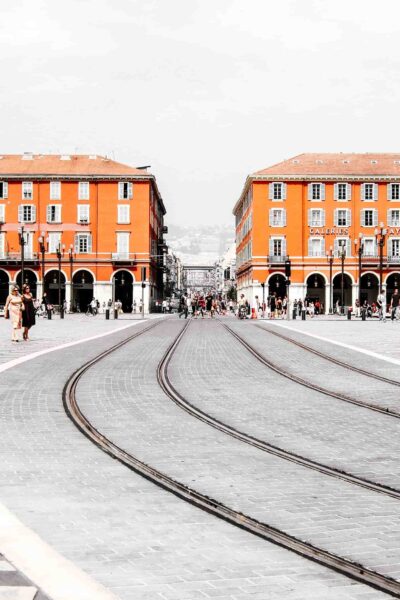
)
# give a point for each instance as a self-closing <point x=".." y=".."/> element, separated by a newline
<point x="13" y="311"/>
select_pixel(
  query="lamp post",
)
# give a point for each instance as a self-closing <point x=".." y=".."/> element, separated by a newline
<point x="329" y="258"/>
<point x="42" y="250"/>
<point x="360" y="253"/>
<point x="263" y="299"/>
<point x="60" y="253"/>
<point x="71" y="265"/>
<point x="342" y="256"/>
<point x="22" y="242"/>
<point x="380" y="236"/>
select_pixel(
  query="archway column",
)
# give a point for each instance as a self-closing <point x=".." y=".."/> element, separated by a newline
<point x="354" y="294"/>
<point x="327" y="301"/>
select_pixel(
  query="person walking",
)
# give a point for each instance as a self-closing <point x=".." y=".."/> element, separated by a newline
<point x="394" y="304"/>
<point x="28" y="313"/>
<point x="13" y="310"/>
<point x="381" y="303"/>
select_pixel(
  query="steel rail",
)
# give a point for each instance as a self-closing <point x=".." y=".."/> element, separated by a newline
<point x="304" y="382"/>
<point x="272" y="534"/>
<point x="332" y="359"/>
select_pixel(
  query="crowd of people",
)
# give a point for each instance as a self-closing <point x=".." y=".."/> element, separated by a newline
<point x="200" y="305"/>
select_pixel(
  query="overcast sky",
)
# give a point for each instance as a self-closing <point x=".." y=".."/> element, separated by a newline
<point x="206" y="91"/>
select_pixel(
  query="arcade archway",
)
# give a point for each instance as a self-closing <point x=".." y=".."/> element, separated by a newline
<point x="4" y="286"/>
<point x="337" y="290"/>
<point x="316" y="289"/>
<point x="51" y="286"/>
<point x="392" y="283"/>
<point x="82" y="290"/>
<point x="277" y="285"/>
<point x="369" y="288"/>
<point x="30" y="279"/>
<point x="123" y="289"/>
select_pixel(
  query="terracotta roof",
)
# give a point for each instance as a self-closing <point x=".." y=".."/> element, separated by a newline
<point x="68" y="165"/>
<point x="336" y="164"/>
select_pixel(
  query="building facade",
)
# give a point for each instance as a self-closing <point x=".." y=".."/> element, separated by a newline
<point x="335" y="216"/>
<point x="87" y="227"/>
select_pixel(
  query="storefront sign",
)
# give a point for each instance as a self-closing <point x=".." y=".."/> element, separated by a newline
<point x="329" y="231"/>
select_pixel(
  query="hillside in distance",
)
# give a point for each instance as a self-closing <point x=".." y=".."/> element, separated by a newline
<point x="201" y="244"/>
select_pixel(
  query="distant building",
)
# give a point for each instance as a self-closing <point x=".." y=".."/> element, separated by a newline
<point x="104" y="220"/>
<point x="226" y="270"/>
<point x="313" y="208"/>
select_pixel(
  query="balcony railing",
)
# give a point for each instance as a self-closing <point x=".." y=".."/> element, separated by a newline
<point x="392" y="258"/>
<point x="280" y="258"/>
<point x="28" y="255"/>
<point x="123" y="256"/>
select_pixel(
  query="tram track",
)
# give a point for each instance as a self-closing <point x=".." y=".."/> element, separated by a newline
<point x="272" y="534"/>
<point x="309" y="384"/>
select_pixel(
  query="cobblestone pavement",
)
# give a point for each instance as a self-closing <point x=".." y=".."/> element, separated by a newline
<point x="342" y="518"/>
<point x="14" y="586"/>
<point x="137" y="540"/>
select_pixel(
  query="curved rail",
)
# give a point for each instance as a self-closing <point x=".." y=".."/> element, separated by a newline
<point x="313" y="386"/>
<point x="210" y="505"/>
<point x="331" y="359"/>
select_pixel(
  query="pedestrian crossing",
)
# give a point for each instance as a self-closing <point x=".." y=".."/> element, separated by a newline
<point x="14" y="586"/>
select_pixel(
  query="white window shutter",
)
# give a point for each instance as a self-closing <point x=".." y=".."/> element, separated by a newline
<point x="348" y="191"/>
<point x="271" y="216"/>
<point x="348" y="247"/>
<point x="283" y="247"/>
<point x="389" y="191"/>
<point x="336" y="191"/>
<point x="389" y="217"/>
<point x="375" y="217"/>
<point x="5" y="189"/>
<point x="323" y="247"/>
<point x="89" y="243"/>
<point x="283" y="191"/>
<point x="309" y="246"/>
<point x="310" y="217"/>
<point x="348" y="218"/>
<point x="375" y="192"/>
<point x="20" y="213"/>
<point x="33" y="213"/>
<point x="335" y="216"/>
<point x="322" y="217"/>
<point x="130" y="191"/>
<point x="271" y="247"/>
<point x="336" y="247"/>
<point x="284" y="217"/>
<point x="322" y="192"/>
<point x="363" y="217"/>
<point x="363" y="191"/>
<point x="76" y="243"/>
<point x="120" y="190"/>
<point x="48" y="216"/>
<point x="58" y="213"/>
<point x="310" y="190"/>
<point x="271" y="191"/>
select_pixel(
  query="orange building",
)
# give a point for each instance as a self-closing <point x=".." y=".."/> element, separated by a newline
<point x="99" y="220"/>
<point x="321" y="210"/>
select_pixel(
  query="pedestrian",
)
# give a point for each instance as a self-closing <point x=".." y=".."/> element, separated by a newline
<point x="394" y="304"/>
<point x="28" y="312"/>
<point x="272" y="306"/>
<point x="13" y="311"/>
<point x="164" y="306"/>
<point x="381" y="303"/>
<point x="209" y="302"/>
<point x="140" y="305"/>
<point x="134" y="307"/>
<point x="47" y="305"/>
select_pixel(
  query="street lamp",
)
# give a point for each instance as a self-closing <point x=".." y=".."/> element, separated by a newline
<point x="22" y="242"/>
<point x="263" y="296"/>
<point x="360" y="253"/>
<point x="342" y="256"/>
<point x="60" y="253"/>
<point x="42" y="250"/>
<point x="71" y="264"/>
<point x="329" y="258"/>
<point x="380" y="236"/>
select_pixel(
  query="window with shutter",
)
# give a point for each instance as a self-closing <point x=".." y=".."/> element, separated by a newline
<point x="54" y="241"/>
<point x="271" y="247"/>
<point x="2" y="213"/>
<point x="369" y="247"/>
<point x="393" y="191"/>
<point x="125" y="190"/>
<point x="55" y="190"/>
<point x="283" y="248"/>
<point x="394" y="247"/>
<point x="83" y="190"/>
<point x="2" y="245"/>
<point x="123" y="213"/>
<point x="3" y="190"/>
<point x="83" y="213"/>
<point x="27" y="190"/>
<point x="375" y="218"/>
<point x="342" y="191"/>
<point x="123" y="244"/>
<point x="83" y="243"/>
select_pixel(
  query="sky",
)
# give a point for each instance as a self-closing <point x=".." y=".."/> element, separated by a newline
<point x="204" y="91"/>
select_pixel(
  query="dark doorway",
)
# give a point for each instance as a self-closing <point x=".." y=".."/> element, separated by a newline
<point x="392" y="282"/>
<point x="29" y="279"/>
<point x="337" y="290"/>
<point x="4" y="287"/>
<point x="316" y="289"/>
<point x="277" y="285"/>
<point x="369" y="288"/>
<point x="123" y="289"/>
<point x="82" y="290"/>
<point x="51" y="286"/>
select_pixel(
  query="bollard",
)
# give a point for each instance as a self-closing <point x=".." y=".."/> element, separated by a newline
<point x="303" y="315"/>
<point x="107" y="314"/>
<point x="294" y="313"/>
<point x="61" y="313"/>
<point x="115" y="313"/>
<point x="349" y="313"/>
<point x="49" y="315"/>
<point x="363" y="314"/>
